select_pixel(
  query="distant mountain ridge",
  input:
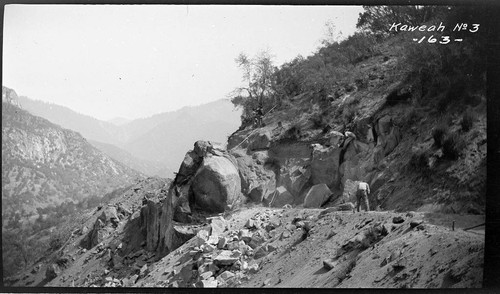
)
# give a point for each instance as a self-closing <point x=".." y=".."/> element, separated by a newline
<point x="44" y="164"/>
<point x="89" y="127"/>
<point x="162" y="138"/>
<point x="118" y="121"/>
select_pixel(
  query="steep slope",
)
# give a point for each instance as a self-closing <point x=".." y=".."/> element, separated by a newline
<point x="394" y="148"/>
<point x="150" y="168"/>
<point x="44" y="164"/>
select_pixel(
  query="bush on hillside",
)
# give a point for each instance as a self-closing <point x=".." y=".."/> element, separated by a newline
<point x="455" y="68"/>
<point x="419" y="161"/>
<point x="453" y="146"/>
<point x="439" y="133"/>
<point x="467" y="120"/>
<point x="374" y="19"/>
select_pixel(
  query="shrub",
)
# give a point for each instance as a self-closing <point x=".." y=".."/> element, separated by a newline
<point x="439" y="134"/>
<point x="467" y="120"/>
<point x="419" y="161"/>
<point x="453" y="146"/>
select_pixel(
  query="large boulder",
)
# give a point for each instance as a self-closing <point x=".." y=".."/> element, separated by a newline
<point x="216" y="185"/>
<point x="281" y="197"/>
<point x="325" y="165"/>
<point x="317" y="196"/>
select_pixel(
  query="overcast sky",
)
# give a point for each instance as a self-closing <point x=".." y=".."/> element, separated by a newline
<point x="134" y="61"/>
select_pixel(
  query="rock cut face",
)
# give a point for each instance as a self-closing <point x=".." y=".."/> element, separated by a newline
<point x="216" y="185"/>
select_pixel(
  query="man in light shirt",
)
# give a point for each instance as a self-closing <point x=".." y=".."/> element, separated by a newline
<point x="362" y="195"/>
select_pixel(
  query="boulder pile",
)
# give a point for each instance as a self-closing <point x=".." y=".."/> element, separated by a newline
<point x="220" y="256"/>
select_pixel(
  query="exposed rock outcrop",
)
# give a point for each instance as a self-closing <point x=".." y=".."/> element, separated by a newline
<point x="156" y="222"/>
<point x="388" y="137"/>
<point x="258" y="181"/>
<point x="325" y="165"/>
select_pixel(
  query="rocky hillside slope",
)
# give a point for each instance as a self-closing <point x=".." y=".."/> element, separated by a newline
<point x="393" y="147"/>
<point x="44" y="164"/>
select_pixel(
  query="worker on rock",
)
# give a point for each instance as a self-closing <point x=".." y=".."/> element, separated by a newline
<point x="259" y="113"/>
<point x="362" y="195"/>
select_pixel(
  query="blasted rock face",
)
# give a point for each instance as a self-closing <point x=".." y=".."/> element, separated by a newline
<point x="325" y="165"/>
<point x="216" y="185"/>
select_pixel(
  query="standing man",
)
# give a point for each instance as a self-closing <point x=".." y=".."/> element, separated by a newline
<point x="362" y="195"/>
<point x="260" y="114"/>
